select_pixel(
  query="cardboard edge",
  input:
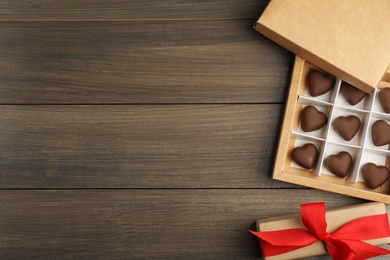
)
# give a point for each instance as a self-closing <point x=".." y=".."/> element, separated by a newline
<point x="384" y="84"/>
<point x="386" y="75"/>
<point x="285" y="132"/>
<point x="262" y="13"/>
<point x="330" y="187"/>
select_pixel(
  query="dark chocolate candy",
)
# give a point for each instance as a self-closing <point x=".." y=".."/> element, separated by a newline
<point x="380" y="133"/>
<point x="339" y="164"/>
<point x="374" y="176"/>
<point x="352" y="95"/>
<point x="305" y="156"/>
<point x="347" y="126"/>
<point x="384" y="99"/>
<point x="319" y="83"/>
<point x="312" y="119"/>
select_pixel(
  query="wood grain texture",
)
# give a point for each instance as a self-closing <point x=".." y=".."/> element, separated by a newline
<point x="143" y="224"/>
<point x="129" y="9"/>
<point x="176" y="146"/>
<point x="140" y="62"/>
<point x="140" y="130"/>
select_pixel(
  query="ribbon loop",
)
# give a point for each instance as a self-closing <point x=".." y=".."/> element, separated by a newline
<point x="343" y="244"/>
<point x="313" y="217"/>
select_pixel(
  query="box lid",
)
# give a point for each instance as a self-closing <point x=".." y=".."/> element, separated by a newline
<point x="348" y="39"/>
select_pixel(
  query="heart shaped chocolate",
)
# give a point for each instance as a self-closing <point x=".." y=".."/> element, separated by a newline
<point x="384" y="99"/>
<point x="312" y="119"/>
<point x="351" y="94"/>
<point x="347" y="126"/>
<point x="319" y="83"/>
<point x="339" y="164"/>
<point x="374" y="176"/>
<point x="305" y="156"/>
<point x="380" y="133"/>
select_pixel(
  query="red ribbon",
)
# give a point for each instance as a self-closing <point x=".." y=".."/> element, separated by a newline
<point x="343" y="244"/>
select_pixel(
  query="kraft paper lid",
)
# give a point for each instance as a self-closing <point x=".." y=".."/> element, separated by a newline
<point x="349" y="39"/>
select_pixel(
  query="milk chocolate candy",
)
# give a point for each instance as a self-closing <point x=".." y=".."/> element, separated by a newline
<point x="374" y="176"/>
<point x="305" y="156"/>
<point x="380" y="133"/>
<point x="384" y="99"/>
<point x="312" y="119"/>
<point x="339" y="164"/>
<point x="347" y="126"/>
<point x="351" y="94"/>
<point x="319" y="83"/>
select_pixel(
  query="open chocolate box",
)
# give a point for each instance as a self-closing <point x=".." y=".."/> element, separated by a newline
<point x="327" y="139"/>
<point x="349" y="43"/>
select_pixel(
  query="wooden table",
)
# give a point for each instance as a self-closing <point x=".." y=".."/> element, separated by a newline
<point x="140" y="130"/>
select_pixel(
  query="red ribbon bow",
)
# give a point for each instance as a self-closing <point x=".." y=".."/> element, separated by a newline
<point x="343" y="244"/>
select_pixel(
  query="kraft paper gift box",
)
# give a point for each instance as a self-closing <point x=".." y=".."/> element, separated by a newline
<point x="335" y="218"/>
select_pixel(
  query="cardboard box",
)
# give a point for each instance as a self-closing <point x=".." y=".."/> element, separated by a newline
<point x="347" y="39"/>
<point x="335" y="218"/>
<point x="327" y="140"/>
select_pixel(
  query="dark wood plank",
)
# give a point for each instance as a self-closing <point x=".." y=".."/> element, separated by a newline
<point x="129" y="9"/>
<point x="152" y="224"/>
<point x="176" y="146"/>
<point x="140" y="62"/>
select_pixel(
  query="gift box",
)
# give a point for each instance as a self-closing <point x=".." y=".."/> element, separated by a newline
<point x="347" y="45"/>
<point x="351" y="232"/>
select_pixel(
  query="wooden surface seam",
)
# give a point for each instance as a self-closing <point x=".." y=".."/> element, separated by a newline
<point x="140" y="130"/>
